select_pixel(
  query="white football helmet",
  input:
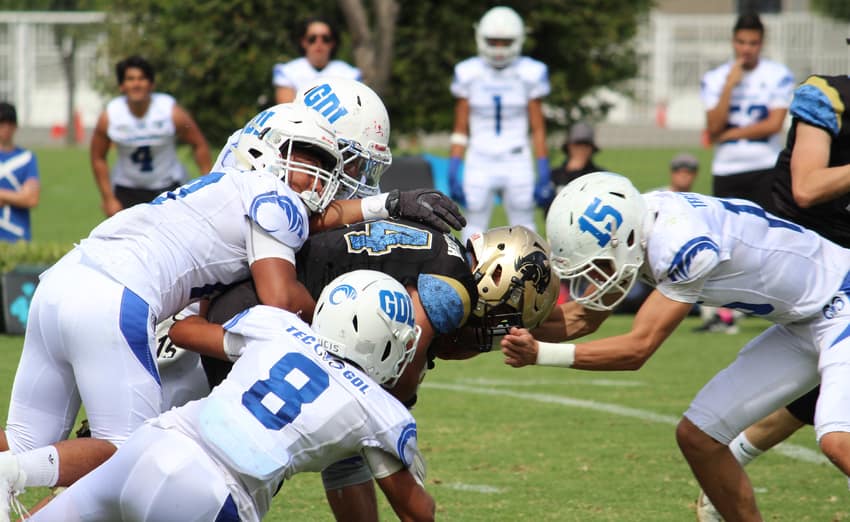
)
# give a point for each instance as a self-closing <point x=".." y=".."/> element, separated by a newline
<point x="500" y="23"/>
<point x="595" y="227"/>
<point x="515" y="280"/>
<point x="367" y="318"/>
<point x="362" y="127"/>
<point x="267" y="142"/>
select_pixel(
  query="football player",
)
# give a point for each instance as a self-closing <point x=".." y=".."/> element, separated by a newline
<point x="144" y="126"/>
<point x="691" y="248"/>
<point x="152" y="261"/>
<point x="811" y="187"/>
<point x="462" y="298"/>
<point x="330" y="403"/>
<point x="498" y="97"/>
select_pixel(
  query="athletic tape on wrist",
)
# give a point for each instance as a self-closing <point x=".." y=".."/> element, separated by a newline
<point x="374" y="207"/>
<point x="458" y="138"/>
<point x="556" y="354"/>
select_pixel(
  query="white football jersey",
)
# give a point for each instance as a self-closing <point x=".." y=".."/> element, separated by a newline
<point x="287" y="406"/>
<point x="498" y="101"/>
<point x="147" y="146"/>
<point x="298" y="73"/>
<point x="768" y="86"/>
<point x="731" y="253"/>
<point x="186" y="244"/>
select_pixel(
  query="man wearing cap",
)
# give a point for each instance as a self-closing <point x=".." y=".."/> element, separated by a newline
<point x="19" y="185"/>
<point x="683" y="172"/>
<point x="579" y="147"/>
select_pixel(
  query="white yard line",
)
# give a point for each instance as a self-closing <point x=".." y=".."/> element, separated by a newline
<point x="614" y="383"/>
<point x="789" y="450"/>
<point x="477" y="488"/>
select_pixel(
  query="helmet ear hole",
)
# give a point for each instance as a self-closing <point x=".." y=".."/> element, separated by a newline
<point x="497" y="275"/>
<point x="387" y="351"/>
<point x="354" y="322"/>
<point x="631" y="240"/>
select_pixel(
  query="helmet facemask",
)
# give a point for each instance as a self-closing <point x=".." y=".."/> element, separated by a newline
<point x="515" y="281"/>
<point x="362" y="168"/>
<point x="327" y="173"/>
<point x="362" y="126"/>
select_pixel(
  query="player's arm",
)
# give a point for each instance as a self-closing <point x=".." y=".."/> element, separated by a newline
<point x="758" y="130"/>
<point x="272" y="266"/>
<point x="428" y="206"/>
<point x="812" y="181"/>
<point x="188" y="132"/>
<point x="197" y="334"/>
<point x="402" y="486"/>
<point x="26" y="197"/>
<point x="460" y="130"/>
<point x="538" y="128"/>
<point x="568" y="321"/>
<point x="284" y="94"/>
<point x="717" y="118"/>
<point x="657" y="318"/>
<point x="98" y="149"/>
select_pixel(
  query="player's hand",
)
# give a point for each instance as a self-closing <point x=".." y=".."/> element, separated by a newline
<point x="428" y="206"/>
<point x="736" y="72"/>
<point x="519" y="348"/>
<point x="544" y="193"/>
<point x="455" y="182"/>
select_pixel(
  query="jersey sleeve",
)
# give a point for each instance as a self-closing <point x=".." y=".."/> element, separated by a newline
<point x="536" y="76"/>
<point x="709" y="90"/>
<point x="446" y="301"/>
<point x="461" y="79"/>
<point x="32" y="169"/>
<point x="688" y="269"/>
<point x="277" y="210"/>
<point x="280" y="76"/>
<point x="818" y="103"/>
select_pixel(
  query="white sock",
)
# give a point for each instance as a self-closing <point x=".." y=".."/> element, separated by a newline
<point x="41" y="466"/>
<point x="743" y="450"/>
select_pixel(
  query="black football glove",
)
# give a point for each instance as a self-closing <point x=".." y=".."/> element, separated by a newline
<point x="428" y="206"/>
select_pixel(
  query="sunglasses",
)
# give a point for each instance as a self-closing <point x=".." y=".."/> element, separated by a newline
<point x="311" y="39"/>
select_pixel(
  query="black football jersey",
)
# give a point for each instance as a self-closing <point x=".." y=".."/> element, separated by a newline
<point x="432" y="261"/>
<point x="820" y="101"/>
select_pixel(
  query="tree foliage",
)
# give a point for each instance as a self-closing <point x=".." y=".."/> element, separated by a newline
<point x="216" y="56"/>
<point x="839" y="9"/>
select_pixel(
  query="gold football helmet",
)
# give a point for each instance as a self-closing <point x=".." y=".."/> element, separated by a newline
<point x="515" y="280"/>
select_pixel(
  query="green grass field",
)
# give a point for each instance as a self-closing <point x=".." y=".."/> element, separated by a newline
<point x="506" y="444"/>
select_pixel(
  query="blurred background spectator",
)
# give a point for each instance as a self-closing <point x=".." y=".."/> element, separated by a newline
<point x="144" y="126"/>
<point x="19" y="184"/>
<point x="684" y="168"/>
<point x="580" y="147"/>
<point x="318" y="40"/>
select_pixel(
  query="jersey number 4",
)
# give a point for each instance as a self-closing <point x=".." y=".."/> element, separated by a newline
<point x="293" y="381"/>
<point x="143" y="158"/>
